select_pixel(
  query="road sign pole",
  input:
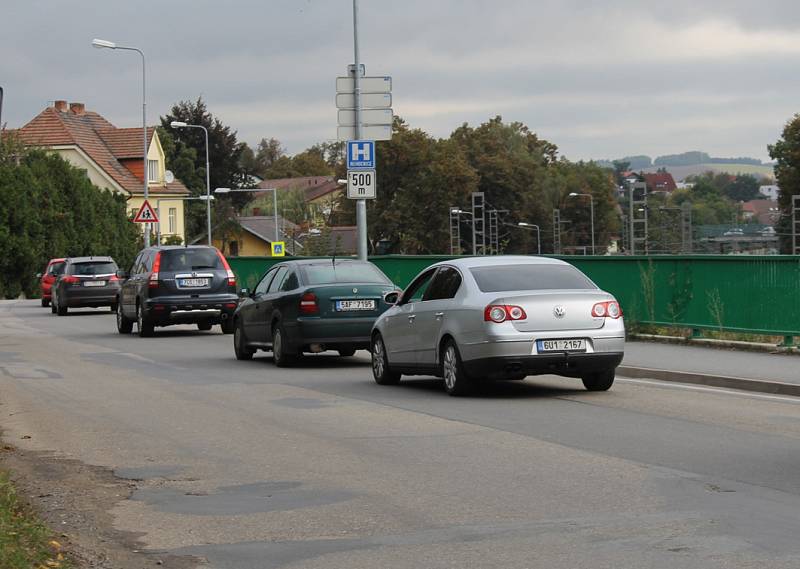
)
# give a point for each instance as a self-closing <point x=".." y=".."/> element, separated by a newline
<point x="361" y="205"/>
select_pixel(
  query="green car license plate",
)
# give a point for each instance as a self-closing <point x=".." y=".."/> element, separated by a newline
<point x="351" y="305"/>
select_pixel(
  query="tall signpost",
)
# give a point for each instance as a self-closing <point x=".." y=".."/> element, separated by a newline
<point x="364" y="116"/>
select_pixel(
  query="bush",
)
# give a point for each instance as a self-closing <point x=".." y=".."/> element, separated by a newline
<point x="49" y="208"/>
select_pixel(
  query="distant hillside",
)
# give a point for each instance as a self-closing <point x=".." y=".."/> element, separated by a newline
<point x="680" y="173"/>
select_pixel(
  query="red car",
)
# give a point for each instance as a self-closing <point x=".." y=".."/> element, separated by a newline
<point x="55" y="267"/>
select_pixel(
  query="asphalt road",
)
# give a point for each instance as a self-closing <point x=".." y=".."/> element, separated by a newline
<point x="250" y="467"/>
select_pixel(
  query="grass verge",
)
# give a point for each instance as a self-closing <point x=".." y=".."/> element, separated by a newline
<point x="25" y="542"/>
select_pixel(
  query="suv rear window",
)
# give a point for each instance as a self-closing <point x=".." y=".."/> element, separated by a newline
<point x="57" y="268"/>
<point x="189" y="260"/>
<point x="94" y="268"/>
<point x="530" y="277"/>
<point x="328" y="273"/>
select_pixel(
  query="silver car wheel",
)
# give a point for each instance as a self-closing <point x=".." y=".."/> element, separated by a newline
<point x="377" y="358"/>
<point x="449" y="366"/>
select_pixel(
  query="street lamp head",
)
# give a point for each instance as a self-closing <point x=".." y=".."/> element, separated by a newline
<point x="340" y="181"/>
<point x="177" y="124"/>
<point x="222" y="190"/>
<point x="573" y="194"/>
<point x="100" y="44"/>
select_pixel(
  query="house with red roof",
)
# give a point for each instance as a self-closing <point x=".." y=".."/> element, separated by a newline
<point x="660" y="182"/>
<point x="112" y="158"/>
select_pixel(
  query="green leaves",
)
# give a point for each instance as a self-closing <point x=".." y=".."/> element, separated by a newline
<point x="50" y="209"/>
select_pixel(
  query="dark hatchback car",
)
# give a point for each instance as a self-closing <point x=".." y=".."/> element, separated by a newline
<point x="311" y="306"/>
<point x="177" y="285"/>
<point x="85" y="282"/>
<point x="54" y="269"/>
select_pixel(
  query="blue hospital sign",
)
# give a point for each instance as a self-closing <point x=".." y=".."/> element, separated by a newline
<point x="360" y="154"/>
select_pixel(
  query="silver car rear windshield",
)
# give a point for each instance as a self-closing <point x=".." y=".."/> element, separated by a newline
<point x="94" y="268"/>
<point x="328" y="273"/>
<point x="530" y="277"/>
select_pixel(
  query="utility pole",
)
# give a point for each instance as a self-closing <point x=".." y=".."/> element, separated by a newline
<point x="1" y="114"/>
<point x="361" y="205"/>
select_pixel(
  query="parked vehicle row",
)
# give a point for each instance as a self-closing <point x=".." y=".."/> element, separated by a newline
<point x="464" y="320"/>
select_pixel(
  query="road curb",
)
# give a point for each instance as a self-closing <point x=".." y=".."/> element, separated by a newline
<point x="744" y="384"/>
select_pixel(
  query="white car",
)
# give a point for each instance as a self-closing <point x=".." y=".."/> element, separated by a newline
<point x="503" y="317"/>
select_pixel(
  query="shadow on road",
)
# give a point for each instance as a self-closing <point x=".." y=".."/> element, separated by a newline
<point x="526" y="389"/>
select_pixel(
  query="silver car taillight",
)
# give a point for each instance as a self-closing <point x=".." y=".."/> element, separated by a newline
<point x="498" y="313"/>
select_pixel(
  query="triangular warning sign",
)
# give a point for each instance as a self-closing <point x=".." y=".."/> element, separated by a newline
<point x="146" y="214"/>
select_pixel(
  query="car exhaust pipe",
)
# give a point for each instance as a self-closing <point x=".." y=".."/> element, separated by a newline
<point x="224" y="316"/>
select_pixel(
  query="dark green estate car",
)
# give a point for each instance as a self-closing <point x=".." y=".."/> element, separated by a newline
<point x="311" y="306"/>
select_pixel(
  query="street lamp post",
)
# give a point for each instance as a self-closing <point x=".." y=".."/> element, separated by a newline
<point x="179" y="124"/>
<point x="158" y="209"/>
<point x="538" y="234"/>
<point x="274" y="201"/>
<point x="591" y="208"/>
<point x="105" y="44"/>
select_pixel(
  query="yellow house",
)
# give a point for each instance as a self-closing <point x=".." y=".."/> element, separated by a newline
<point x="112" y="159"/>
<point x="252" y="236"/>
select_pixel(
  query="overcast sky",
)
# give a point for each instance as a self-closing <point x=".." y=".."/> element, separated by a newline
<point x="600" y="79"/>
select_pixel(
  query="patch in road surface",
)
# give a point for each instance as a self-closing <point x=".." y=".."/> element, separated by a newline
<point x="147" y="472"/>
<point x="239" y="500"/>
<point x="301" y="403"/>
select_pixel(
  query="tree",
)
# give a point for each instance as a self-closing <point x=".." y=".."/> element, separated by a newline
<point x="224" y="153"/>
<point x="268" y="152"/>
<point x="786" y="153"/>
<point x="743" y="188"/>
<point x="50" y="209"/>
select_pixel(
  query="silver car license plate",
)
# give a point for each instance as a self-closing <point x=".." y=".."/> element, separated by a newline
<point x="192" y="283"/>
<point x="562" y="345"/>
<point x="349" y="305"/>
<point x="94" y="283"/>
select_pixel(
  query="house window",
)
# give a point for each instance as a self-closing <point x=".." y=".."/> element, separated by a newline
<point x="234" y="248"/>
<point x="173" y="215"/>
<point x="152" y="170"/>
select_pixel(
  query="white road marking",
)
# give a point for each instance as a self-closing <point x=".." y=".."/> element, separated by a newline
<point x="736" y="393"/>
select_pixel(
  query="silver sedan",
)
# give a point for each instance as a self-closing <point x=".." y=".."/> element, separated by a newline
<point x="501" y="317"/>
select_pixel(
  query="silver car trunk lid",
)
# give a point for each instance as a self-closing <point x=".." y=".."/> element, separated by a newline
<point x="549" y="310"/>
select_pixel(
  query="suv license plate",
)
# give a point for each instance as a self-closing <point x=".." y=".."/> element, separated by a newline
<point x="192" y="283"/>
<point x="570" y="345"/>
<point x="348" y="305"/>
<point x="94" y="283"/>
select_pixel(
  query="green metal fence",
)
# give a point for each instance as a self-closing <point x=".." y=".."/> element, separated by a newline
<point x="750" y="294"/>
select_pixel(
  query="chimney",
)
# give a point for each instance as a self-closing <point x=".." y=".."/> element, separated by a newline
<point x="256" y="211"/>
<point x="77" y="108"/>
<point x="60" y="106"/>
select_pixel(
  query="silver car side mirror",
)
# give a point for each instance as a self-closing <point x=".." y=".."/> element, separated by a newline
<point x="392" y="298"/>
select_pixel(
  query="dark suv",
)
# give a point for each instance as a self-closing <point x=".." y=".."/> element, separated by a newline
<point x="85" y="281"/>
<point x="177" y="285"/>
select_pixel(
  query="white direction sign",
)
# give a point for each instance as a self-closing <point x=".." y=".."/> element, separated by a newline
<point x="368" y="100"/>
<point x="368" y="116"/>
<point x="368" y="84"/>
<point x="368" y="132"/>
<point x="361" y="184"/>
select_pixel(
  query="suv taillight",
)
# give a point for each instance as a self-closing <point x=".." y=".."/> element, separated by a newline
<point x="69" y="279"/>
<point x="498" y="313"/>
<point x="608" y="309"/>
<point x="308" y="304"/>
<point x="154" y="274"/>
<point x="231" y="276"/>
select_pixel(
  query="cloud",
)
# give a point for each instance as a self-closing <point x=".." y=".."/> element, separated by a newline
<point x="599" y="79"/>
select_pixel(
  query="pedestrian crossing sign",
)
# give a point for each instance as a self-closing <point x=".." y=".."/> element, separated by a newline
<point x="278" y="249"/>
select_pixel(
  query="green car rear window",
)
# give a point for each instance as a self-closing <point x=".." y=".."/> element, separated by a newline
<point x="530" y="277"/>
<point x="328" y="273"/>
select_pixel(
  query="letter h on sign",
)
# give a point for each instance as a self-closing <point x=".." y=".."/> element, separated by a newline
<point x="360" y="154"/>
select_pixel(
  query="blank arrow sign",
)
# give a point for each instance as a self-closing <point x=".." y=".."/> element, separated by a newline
<point x="368" y="116"/>
<point x="368" y="85"/>
<point x="368" y="100"/>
